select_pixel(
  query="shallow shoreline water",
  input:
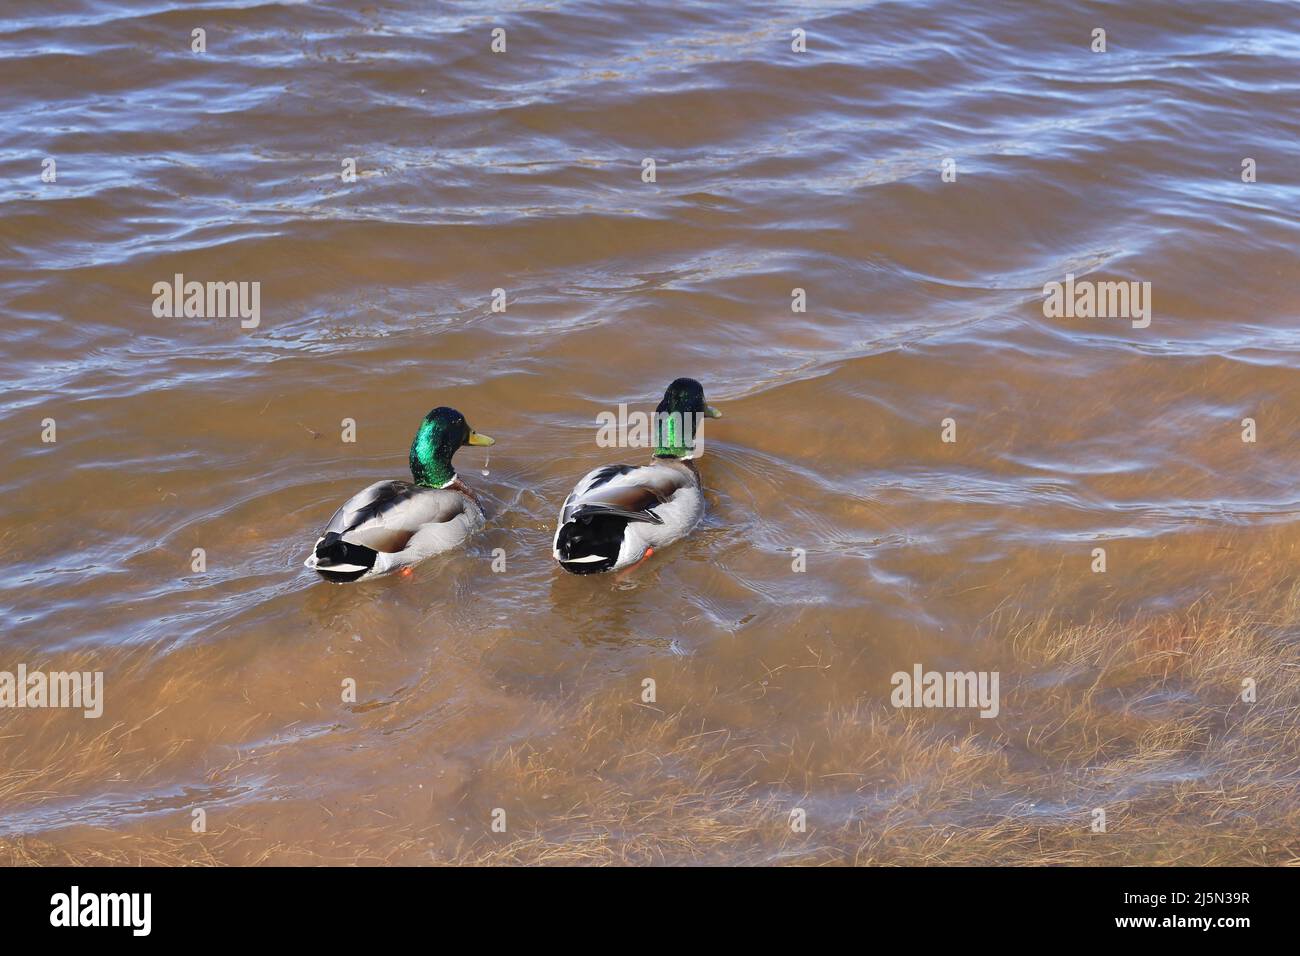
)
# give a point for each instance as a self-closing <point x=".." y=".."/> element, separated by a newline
<point x="776" y="171"/>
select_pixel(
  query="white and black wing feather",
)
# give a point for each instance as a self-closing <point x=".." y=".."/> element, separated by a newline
<point x="599" y="521"/>
<point x="376" y="526"/>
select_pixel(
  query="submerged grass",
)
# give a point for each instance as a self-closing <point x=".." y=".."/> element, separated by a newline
<point x="1142" y="718"/>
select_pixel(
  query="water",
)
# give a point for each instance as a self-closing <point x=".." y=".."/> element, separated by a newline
<point x="523" y="690"/>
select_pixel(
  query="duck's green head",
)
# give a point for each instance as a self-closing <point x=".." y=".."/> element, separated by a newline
<point x="678" y="419"/>
<point x="443" y="431"/>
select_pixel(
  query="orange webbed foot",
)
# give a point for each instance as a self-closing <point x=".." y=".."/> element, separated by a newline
<point x="632" y="567"/>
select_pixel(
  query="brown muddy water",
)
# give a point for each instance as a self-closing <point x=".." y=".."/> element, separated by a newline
<point x="1164" y="690"/>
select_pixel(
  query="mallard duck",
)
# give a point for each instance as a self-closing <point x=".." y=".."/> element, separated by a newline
<point x="395" y="524"/>
<point x="619" y="514"/>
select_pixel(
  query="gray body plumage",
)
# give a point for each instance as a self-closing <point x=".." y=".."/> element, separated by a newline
<point x="619" y="511"/>
<point x="400" y="522"/>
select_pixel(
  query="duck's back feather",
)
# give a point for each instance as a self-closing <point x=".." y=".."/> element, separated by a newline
<point x="618" y="511"/>
<point x="392" y="524"/>
<point x="388" y="509"/>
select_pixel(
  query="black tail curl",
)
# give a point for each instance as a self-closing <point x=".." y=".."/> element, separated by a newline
<point x="333" y="550"/>
<point x="587" y="535"/>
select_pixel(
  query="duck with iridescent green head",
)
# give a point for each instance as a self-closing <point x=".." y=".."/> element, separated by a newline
<point x="619" y="515"/>
<point x="393" y="525"/>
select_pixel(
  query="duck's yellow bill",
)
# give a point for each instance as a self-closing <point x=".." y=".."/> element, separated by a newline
<point x="712" y="412"/>
<point x="476" y="438"/>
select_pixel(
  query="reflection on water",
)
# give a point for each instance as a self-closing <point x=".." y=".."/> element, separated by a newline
<point x="775" y="171"/>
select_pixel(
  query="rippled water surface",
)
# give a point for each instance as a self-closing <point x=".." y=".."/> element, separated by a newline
<point x="775" y="170"/>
